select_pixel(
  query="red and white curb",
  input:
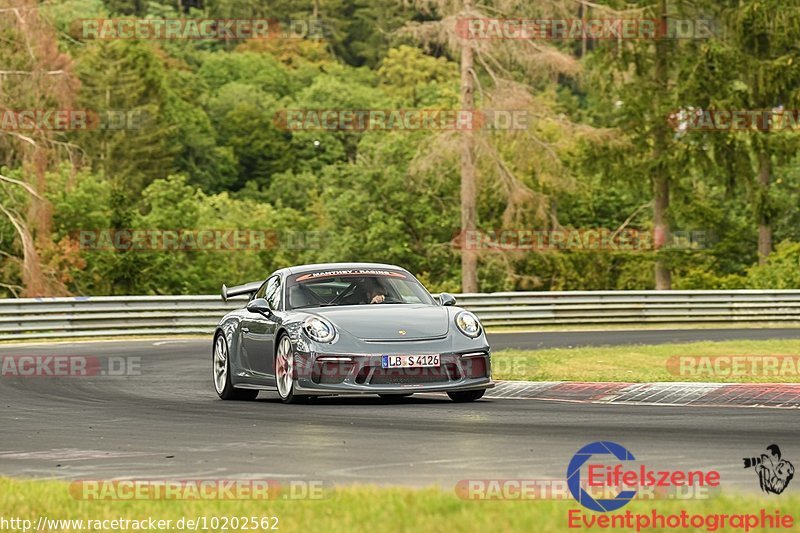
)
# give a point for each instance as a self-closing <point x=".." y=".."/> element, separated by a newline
<point x="775" y="395"/>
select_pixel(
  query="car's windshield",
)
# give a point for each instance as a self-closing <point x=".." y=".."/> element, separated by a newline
<point x="354" y="287"/>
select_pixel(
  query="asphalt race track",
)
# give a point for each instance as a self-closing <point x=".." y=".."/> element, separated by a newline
<point x="168" y="422"/>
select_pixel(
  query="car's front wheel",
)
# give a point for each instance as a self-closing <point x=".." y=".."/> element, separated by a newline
<point x="284" y="371"/>
<point x="466" y="395"/>
<point x="221" y="364"/>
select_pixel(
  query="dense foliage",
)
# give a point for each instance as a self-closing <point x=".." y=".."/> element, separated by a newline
<point x="209" y="151"/>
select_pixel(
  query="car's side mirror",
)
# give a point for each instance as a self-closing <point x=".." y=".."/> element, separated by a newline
<point x="446" y="299"/>
<point x="260" y="306"/>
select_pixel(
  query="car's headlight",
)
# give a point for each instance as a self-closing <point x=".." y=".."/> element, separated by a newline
<point x="468" y="324"/>
<point x="319" y="330"/>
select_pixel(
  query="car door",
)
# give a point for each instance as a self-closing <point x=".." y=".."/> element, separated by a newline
<point x="259" y="336"/>
<point x="248" y="341"/>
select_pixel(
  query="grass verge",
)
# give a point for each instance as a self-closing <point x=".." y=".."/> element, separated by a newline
<point x="638" y="326"/>
<point x="358" y="508"/>
<point x="643" y="363"/>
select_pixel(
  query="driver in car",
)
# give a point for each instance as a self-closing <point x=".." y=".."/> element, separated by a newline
<point x="375" y="294"/>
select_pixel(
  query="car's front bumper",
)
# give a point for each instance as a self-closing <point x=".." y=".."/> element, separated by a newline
<point x="328" y="373"/>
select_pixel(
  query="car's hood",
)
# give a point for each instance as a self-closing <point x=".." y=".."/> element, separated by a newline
<point x="388" y="321"/>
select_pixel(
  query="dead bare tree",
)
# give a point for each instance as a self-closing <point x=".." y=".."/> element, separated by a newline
<point x="39" y="80"/>
<point x="511" y="68"/>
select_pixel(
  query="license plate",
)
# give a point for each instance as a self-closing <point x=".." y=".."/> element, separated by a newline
<point x="409" y="361"/>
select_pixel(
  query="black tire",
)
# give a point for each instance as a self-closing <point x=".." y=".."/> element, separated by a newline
<point x="228" y="392"/>
<point x="463" y="396"/>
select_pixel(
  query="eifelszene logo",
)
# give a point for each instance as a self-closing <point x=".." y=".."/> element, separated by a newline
<point x="608" y="487"/>
<point x="774" y="473"/>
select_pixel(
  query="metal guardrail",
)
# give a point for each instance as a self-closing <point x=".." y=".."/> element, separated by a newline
<point x="109" y="316"/>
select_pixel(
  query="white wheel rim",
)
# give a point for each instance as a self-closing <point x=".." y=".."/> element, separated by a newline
<point x="284" y="367"/>
<point x="220" y="364"/>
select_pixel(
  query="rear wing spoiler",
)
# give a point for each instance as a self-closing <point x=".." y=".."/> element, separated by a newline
<point x="247" y="288"/>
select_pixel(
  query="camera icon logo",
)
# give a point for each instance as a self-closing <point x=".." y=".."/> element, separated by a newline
<point x="774" y="473"/>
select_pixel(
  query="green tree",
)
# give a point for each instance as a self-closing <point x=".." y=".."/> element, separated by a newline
<point x="406" y="71"/>
<point x="125" y="84"/>
<point x="752" y="66"/>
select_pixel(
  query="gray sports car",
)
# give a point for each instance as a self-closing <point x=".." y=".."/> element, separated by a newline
<point x="348" y="328"/>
